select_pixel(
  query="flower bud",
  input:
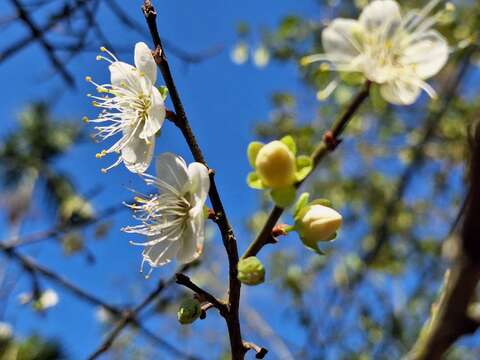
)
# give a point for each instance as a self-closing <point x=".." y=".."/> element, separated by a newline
<point x="275" y="165"/>
<point x="317" y="223"/>
<point x="189" y="311"/>
<point x="251" y="271"/>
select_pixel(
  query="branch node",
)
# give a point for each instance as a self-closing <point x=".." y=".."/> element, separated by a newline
<point x="331" y="142"/>
<point x="261" y="351"/>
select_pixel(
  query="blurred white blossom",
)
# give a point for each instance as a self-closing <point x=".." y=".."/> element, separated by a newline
<point x="239" y="53"/>
<point x="398" y="52"/>
<point x="261" y="56"/>
<point x="6" y="331"/>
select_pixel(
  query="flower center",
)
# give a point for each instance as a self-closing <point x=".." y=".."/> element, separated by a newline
<point x="141" y="104"/>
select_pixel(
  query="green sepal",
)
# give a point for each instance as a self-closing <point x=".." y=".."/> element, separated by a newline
<point x="302" y="201"/>
<point x="315" y="249"/>
<point x="163" y="92"/>
<point x="283" y="197"/>
<point x="252" y="151"/>
<point x="254" y="181"/>
<point x="324" y="202"/>
<point x="288" y="140"/>
<point x="304" y="166"/>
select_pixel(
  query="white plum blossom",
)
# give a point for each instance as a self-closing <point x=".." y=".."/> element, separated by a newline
<point x="172" y="220"/>
<point x="397" y="52"/>
<point x="47" y="299"/>
<point x="131" y="106"/>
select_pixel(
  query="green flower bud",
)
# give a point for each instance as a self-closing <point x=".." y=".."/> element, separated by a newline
<point x="276" y="165"/>
<point x="251" y="271"/>
<point x="189" y="311"/>
<point x="316" y="223"/>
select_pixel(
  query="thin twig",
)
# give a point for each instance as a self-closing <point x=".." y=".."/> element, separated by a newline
<point x="40" y="36"/>
<point x="184" y="280"/>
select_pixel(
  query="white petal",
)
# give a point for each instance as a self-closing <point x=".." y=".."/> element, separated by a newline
<point x="137" y="153"/>
<point x="192" y="240"/>
<point x="161" y="253"/>
<point x="428" y="53"/>
<point x="340" y="40"/>
<point x="123" y="73"/>
<point x="172" y="170"/>
<point x="199" y="181"/>
<point x="156" y="115"/>
<point x="400" y="92"/>
<point x="144" y="61"/>
<point x="380" y="15"/>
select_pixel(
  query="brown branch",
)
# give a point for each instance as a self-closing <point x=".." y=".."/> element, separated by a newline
<point x="228" y="237"/>
<point x="450" y="317"/>
<point x="330" y="141"/>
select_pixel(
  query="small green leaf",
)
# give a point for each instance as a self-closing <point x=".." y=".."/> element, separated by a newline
<point x="254" y="181"/>
<point x="163" y="92"/>
<point x="304" y="166"/>
<point x="288" y="140"/>
<point x="252" y="151"/>
<point x="283" y="197"/>
<point x="301" y="203"/>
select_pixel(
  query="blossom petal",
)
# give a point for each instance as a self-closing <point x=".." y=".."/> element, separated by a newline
<point x="156" y="115"/>
<point x="340" y="40"/>
<point x="380" y="15"/>
<point x="172" y="170"/>
<point x="144" y="61"/>
<point x="161" y="253"/>
<point x="199" y="181"/>
<point x="124" y="74"/>
<point x="428" y="53"/>
<point x="137" y="153"/>
<point x="400" y="92"/>
<point x="192" y="240"/>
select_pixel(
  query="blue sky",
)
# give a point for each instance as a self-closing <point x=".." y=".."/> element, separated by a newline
<point x="222" y="101"/>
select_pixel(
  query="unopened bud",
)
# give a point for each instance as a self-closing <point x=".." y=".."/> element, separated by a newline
<point x="317" y="223"/>
<point x="189" y="311"/>
<point x="251" y="271"/>
<point x="275" y="165"/>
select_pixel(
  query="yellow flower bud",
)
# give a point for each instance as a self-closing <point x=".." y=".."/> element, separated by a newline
<point x="275" y="165"/>
<point x="317" y="223"/>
